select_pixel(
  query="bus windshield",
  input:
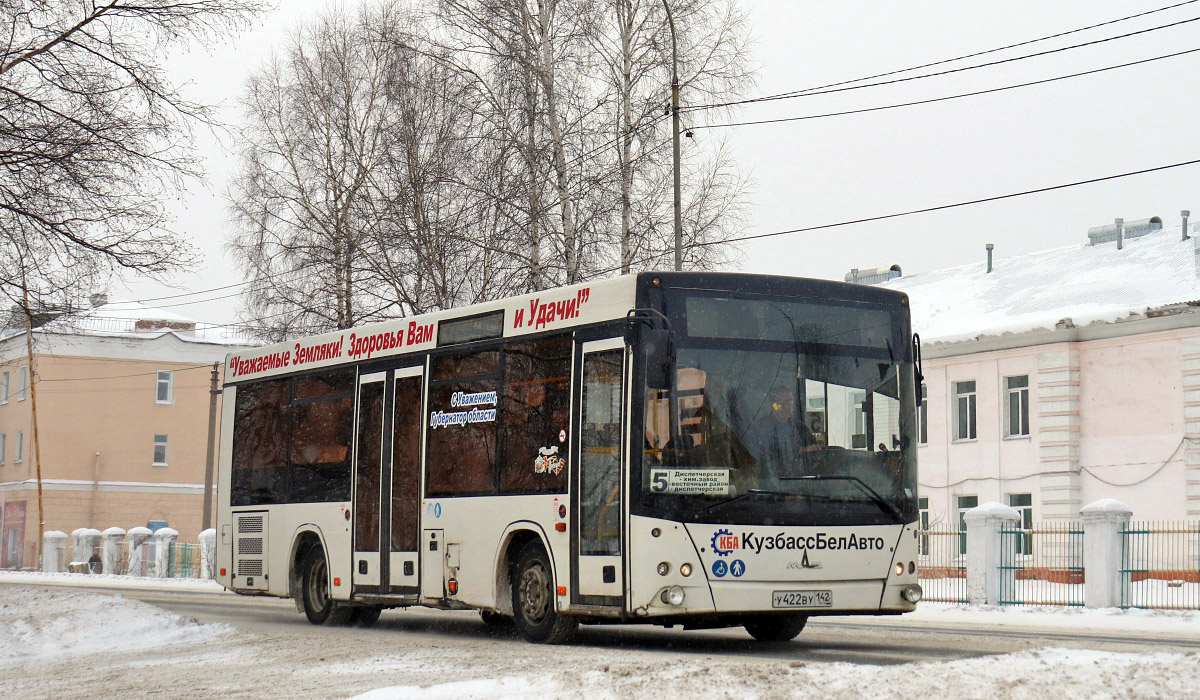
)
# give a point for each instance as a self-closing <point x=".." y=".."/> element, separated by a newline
<point x="781" y="410"/>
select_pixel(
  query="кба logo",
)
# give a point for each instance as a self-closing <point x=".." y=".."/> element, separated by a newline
<point x="724" y="542"/>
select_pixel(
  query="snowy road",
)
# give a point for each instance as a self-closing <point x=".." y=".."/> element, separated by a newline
<point x="258" y="647"/>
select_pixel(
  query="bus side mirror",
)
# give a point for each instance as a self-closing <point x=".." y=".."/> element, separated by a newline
<point x="657" y="345"/>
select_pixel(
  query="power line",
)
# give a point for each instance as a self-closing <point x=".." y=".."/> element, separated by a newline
<point x="955" y="205"/>
<point x="846" y="86"/>
<point x="945" y="98"/>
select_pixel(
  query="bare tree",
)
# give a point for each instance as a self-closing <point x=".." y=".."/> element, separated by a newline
<point x="634" y="49"/>
<point x="93" y="134"/>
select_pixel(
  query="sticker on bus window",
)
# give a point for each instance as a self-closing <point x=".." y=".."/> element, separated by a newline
<point x="695" y="482"/>
<point x="548" y="461"/>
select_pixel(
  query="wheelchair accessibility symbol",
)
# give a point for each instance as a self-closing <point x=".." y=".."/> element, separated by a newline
<point x="720" y="568"/>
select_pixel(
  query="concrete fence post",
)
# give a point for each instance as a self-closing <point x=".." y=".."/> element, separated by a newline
<point x="110" y="552"/>
<point x="208" y="552"/>
<point x="83" y="547"/>
<point x="134" y="539"/>
<point x="984" y="574"/>
<point x="1102" y="525"/>
<point x="53" y="551"/>
<point x="164" y="542"/>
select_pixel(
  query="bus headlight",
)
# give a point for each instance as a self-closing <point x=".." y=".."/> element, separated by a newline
<point x="899" y="568"/>
<point x="685" y="569"/>
<point x="672" y="596"/>
<point x="912" y="593"/>
<point x="664" y="568"/>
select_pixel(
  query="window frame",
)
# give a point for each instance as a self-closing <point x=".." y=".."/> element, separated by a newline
<point x="923" y="417"/>
<point x="923" y="521"/>
<point x="4" y="387"/>
<point x="1021" y="394"/>
<point x="968" y="401"/>
<point x="23" y="383"/>
<point x="962" y="518"/>
<point x="19" y="450"/>
<point x="154" y="462"/>
<point x="1025" y="541"/>
<point x="3" y="448"/>
<point x="170" y="384"/>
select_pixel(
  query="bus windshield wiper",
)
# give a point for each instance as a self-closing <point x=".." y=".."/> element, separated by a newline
<point x="749" y="494"/>
<point x="872" y="493"/>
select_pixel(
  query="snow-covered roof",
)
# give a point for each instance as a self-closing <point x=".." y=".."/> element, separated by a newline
<point x="1083" y="283"/>
<point x="128" y="319"/>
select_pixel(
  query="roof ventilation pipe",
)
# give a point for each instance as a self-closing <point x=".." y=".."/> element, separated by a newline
<point x="1120" y="233"/>
<point x="989" y="251"/>
<point x="1185" y="213"/>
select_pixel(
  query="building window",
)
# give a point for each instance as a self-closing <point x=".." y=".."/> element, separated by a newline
<point x="163" y="389"/>
<point x="965" y="503"/>
<point x="19" y="448"/>
<point x="4" y="388"/>
<point x="3" y="446"/>
<point x="923" y="511"/>
<point x="923" y="418"/>
<point x="160" y="450"/>
<point x="24" y="384"/>
<point x="964" y="410"/>
<point x="1023" y="504"/>
<point x="1018" y="405"/>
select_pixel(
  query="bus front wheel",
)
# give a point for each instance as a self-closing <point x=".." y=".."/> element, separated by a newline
<point x="533" y="598"/>
<point x="319" y="607"/>
<point x="775" y="628"/>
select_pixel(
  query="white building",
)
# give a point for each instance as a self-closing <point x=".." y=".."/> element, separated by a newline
<point x="1061" y="377"/>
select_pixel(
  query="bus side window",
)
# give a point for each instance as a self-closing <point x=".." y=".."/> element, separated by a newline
<point x="536" y="408"/>
<point x="260" y="443"/>
<point x="461" y="424"/>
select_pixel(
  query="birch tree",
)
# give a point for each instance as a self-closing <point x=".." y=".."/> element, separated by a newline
<point x="93" y="134"/>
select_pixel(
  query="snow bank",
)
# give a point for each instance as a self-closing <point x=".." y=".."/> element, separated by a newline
<point x="1064" y="674"/>
<point x="52" y="624"/>
<point x="34" y="578"/>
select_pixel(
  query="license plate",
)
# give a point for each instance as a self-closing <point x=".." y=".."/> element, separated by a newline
<point x="802" y="599"/>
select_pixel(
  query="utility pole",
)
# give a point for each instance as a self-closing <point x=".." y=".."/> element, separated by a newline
<point x="37" y="457"/>
<point x="213" y="392"/>
<point x="675" y="136"/>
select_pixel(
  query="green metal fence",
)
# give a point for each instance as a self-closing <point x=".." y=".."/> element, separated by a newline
<point x="943" y="566"/>
<point x="1042" y="565"/>
<point x="1160" y="565"/>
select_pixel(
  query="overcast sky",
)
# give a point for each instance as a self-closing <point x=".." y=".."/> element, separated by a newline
<point x="823" y="171"/>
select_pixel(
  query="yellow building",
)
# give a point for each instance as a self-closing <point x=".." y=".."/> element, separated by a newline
<point x="122" y="416"/>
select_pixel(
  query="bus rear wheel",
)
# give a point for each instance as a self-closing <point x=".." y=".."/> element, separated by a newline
<point x="533" y="599"/>
<point x="319" y="607"/>
<point x="775" y="628"/>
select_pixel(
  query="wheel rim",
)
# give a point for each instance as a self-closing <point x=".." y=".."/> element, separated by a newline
<point x="535" y="593"/>
<point x="318" y="587"/>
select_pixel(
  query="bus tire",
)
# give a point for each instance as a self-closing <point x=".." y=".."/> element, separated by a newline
<point x="533" y="599"/>
<point x="775" y="628"/>
<point x="319" y="607"/>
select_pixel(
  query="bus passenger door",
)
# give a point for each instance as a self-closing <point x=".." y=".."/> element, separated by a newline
<point x="368" y="472"/>
<point x="405" y="458"/>
<point x="598" y="489"/>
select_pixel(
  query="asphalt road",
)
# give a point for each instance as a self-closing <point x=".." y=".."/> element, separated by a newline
<point x="860" y="640"/>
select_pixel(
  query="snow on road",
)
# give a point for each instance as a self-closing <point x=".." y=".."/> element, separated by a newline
<point x="1062" y="674"/>
<point x="51" y="639"/>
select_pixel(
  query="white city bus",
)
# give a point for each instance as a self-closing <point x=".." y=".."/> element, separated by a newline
<point x="691" y="449"/>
